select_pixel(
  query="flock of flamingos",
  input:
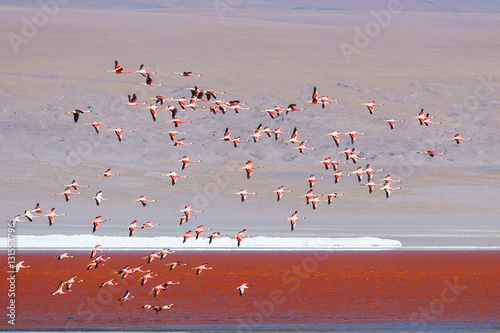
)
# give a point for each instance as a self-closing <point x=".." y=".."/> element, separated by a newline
<point x="217" y="106"/>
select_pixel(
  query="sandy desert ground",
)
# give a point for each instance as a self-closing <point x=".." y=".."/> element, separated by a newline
<point x="442" y="58"/>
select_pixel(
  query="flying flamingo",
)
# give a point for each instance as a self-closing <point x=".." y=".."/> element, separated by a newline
<point x="237" y="108"/>
<point x="16" y="220"/>
<point x="359" y="172"/>
<point x="175" y="264"/>
<point x="64" y="255"/>
<point x="257" y="135"/>
<point x="159" y="99"/>
<point x="199" y="230"/>
<point x="249" y="168"/>
<point x="370" y="105"/>
<point x="142" y="199"/>
<point x="118" y="69"/>
<point x="165" y="252"/>
<point x="19" y="265"/>
<point x="186" y="74"/>
<point x="149" y="224"/>
<point x="192" y="105"/>
<point x="293" y="220"/>
<point x="146" y="277"/>
<point x="177" y="122"/>
<point x="314" y="98"/>
<point x="331" y="196"/>
<point x="273" y="112"/>
<point x="387" y="188"/>
<point x="173" y="134"/>
<point x="75" y="185"/>
<point x="371" y="185"/>
<point x="268" y="131"/>
<point x="369" y="171"/>
<point x="427" y="120"/>
<point x="431" y="153"/>
<point x="96" y="125"/>
<point x="309" y="195"/>
<point x="211" y="94"/>
<point x="156" y="290"/>
<point x="388" y="179"/>
<point x="244" y="194"/>
<point x="292" y="108"/>
<point x="60" y="290"/>
<point x="52" y="214"/>
<point x="38" y="209"/>
<point x="213" y="236"/>
<point x="339" y="174"/>
<point x="240" y="235"/>
<point x="132" y="100"/>
<point x="279" y="192"/>
<point x="29" y="216"/>
<point x="127" y="295"/>
<point x="142" y="71"/>
<point x="393" y="121"/>
<point x="353" y="134"/>
<point x="325" y="100"/>
<point x="236" y="141"/>
<point x="109" y="283"/>
<point x="98" y="198"/>
<point x="94" y="251"/>
<point x="131" y="228"/>
<point x="119" y="132"/>
<point x="152" y="109"/>
<point x="185" y="161"/>
<point x="96" y="222"/>
<point x="200" y="268"/>
<point x="293" y="138"/>
<point x="458" y="138"/>
<point x="335" y="136"/>
<point x="76" y="113"/>
<point x="174" y="176"/>
<point x="187" y="235"/>
<point x="347" y="153"/>
<point x="421" y="117"/>
<point x="184" y="219"/>
<point x="187" y="212"/>
<point x="172" y="109"/>
<point x="180" y="142"/>
<point x="315" y="200"/>
<point x="149" y="82"/>
<point x="277" y="132"/>
<point x="67" y="193"/>
<point x="242" y="288"/>
<point x="312" y="179"/>
<point x="71" y="281"/>
<point x="302" y="147"/>
<point x="328" y="161"/>
<point x="226" y="137"/>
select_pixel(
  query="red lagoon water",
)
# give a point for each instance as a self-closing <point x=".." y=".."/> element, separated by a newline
<point x="287" y="288"/>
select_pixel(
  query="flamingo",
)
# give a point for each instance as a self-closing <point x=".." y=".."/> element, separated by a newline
<point x="302" y="147"/>
<point x="387" y="188"/>
<point x="237" y="108"/>
<point x="268" y="131"/>
<point x="38" y="209"/>
<point x="60" y="290"/>
<point x="127" y="295"/>
<point x="332" y="195"/>
<point x="273" y="112"/>
<point x="184" y="219"/>
<point x="338" y="174"/>
<point x="76" y="113"/>
<point x="159" y="99"/>
<point x="388" y="179"/>
<point x="335" y="136"/>
<point x="214" y="110"/>
<point x="244" y="194"/>
<point x="146" y="277"/>
<point x="236" y="141"/>
<point x="19" y="265"/>
<point x="52" y="214"/>
<point x="187" y="212"/>
<point x="142" y="199"/>
<point x="174" y="176"/>
<point x="347" y="153"/>
<point x="180" y="142"/>
<point x="279" y="192"/>
<point x="142" y="71"/>
<point x="427" y="121"/>
<point x="393" y="121"/>
<point x="64" y="255"/>
<point x="71" y="281"/>
<point x="353" y="134"/>
<point x="314" y="98"/>
<point x="131" y="228"/>
<point x="371" y="185"/>
<point x="242" y="288"/>
<point x="98" y="198"/>
<point x="172" y="109"/>
<point x="165" y="252"/>
<point x="369" y="171"/>
<point x="157" y="308"/>
<point x="75" y="185"/>
<point x="328" y="161"/>
<point x="96" y="222"/>
<point x="421" y="117"/>
<point x="186" y="74"/>
<point x="293" y="138"/>
<point x="118" y="69"/>
<point x="370" y="105"/>
<point x="172" y="134"/>
<point x="312" y="179"/>
<point x="177" y="122"/>
<point x="67" y="193"/>
<point x="315" y="200"/>
<point x="222" y="106"/>
<point x="96" y="125"/>
<point x="94" y="251"/>
<point x="277" y="132"/>
<point x="359" y="172"/>
<point x="211" y="94"/>
<point x="29" y="216"/>
<point x="149" y="224"/>
<point x="213" y="236"/>
<point x="257" y="135"/>
<point x="431" y="153"/>
<point x="226" y="137"/>
<point x="175" y="264"/>
<point x="458" y="138"/>
<point x="187" y="235"/>
<point x="200" y="268"/>
<point x="156" y="290"/>
<point x="292" y="108"/>
<point x="152" y="109"/>
<point x="16" y="220"/>
<point x="149" y="82"/>
<point x="109" y="283"/>
<point x="199" y="230"/>
<point x="240" y="235"/>
<point x="249" y="168"/>
<point x="325" y="100"/>
<point x="132" y="100"/>
<point x="119" y="132"/>
<point x="185" y="161"/>
<point x="192" y="105"/>
<point x="294" y="219"/>
<point x="309" y="195"/>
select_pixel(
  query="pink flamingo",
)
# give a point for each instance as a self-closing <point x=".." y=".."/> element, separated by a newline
<point x="200" y="268"/>
<point x="302" y="147"/>
<point x="242" y="288"/>
<point x="371" y="185"/>
<point x="180" y="142"/>
<point x="431" y="153"/>
<point x="236" y="141"/>
<point x="127" y="296"/>
<point x="226" y="137"/>
<point x="353" y="134"/>
<point x="172" y="134"/>
<point x="314" y="98"/>
<point x="292" y="108"/>
<point x="98" y="198"/>
<point x="149" y="224"/>
<point x="279" y="192"/>
<point x="96" y="125"/>
<point x="293" y="220"/>
<point x="142" y="71"/>
<point x="131" y="228"/>
<point x="76" y="113"/>
<point x="359" y="172"/>
<point x="332" y="196"/>
<point x="369" y="171"/>
<point x="67" y="193"/>
<point x="273" y="112"/>
<point x="118" y="69"/>
<point x="60" y="290"/>
<point x="98" y="220"/>
<point x="370" y="105"/>
<point x="75" y="185"/>
<point x="277" y="132"/>
<point x="119" y="132"/>
<point x="249" y="168"/>
<point x="312" y="179"/>
<point x="315" y="200"/>
<point x="338" y="174"/>
<point x="188" y="211"/>
<point x="64" y="255"/>
<point x="309" y="195"/>
<point x="186" y="74"/>
<point x="185" y="161"/>
<point x="393" y="121"/>
<point x="51" y="216"/>
<point x="132" y="100"/>
<point x="335" y="136"/>
<point x="149" y="82"/>
<point x="175" y="264"/>
<point x="174" y="176"/>
<point x="240" y="235"/>
<point x="244" y="193"/>
<point x="142" y="199"/>
<point x="199" y="230"/>
<point x="109" y="283"/>
<point x="458" y="139"/>
<point x="213" y="236"/>
<point x="388" y="189"/>
<point x="293" y="138"/>
<point x="108" y="173"/>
